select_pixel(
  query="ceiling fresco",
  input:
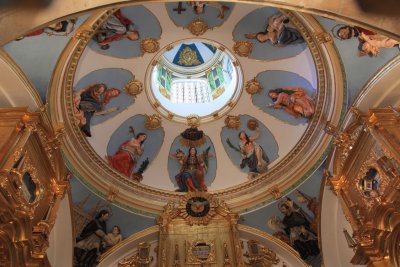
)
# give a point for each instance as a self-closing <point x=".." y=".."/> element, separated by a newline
<point x="266" y="142"/>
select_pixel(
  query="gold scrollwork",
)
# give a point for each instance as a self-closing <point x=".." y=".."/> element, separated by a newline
<point x="200" y="251"/>
<point x="198" y="27"/>
<point x="243" y="48"/>
<point x="140" y="258"/>
<point x="260" y="256"/>
<point x="149" y="45"/>
<point x="134" y="87"/>
<point x="193" y="120"/>
<point x="232" y="122"/>
<point x="253" y="87"/>
<point x="152" y="122"/>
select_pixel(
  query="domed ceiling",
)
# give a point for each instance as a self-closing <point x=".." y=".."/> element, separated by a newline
<point x="247" y="87"/>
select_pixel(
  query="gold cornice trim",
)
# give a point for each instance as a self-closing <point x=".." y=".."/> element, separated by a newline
<point x="88" y="166"/>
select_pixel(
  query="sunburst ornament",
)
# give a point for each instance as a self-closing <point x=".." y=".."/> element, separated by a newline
<point x="243" y="48"/>
<point x="198" y="27"/>
<point x="197" y="207"/>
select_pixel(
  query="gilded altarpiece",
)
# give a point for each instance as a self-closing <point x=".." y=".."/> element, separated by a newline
<point x="365" y="177"/>
<point x="33" y="180"/>
<point x="198" y="230"/>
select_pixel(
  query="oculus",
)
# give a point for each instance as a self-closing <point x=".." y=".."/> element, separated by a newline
<point x="194" y="77"/>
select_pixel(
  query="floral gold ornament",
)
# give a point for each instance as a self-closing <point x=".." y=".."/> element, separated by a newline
<point x="253" y="87"/>
<point x="188" y="57"/>
<point x="193" y="120"/>
<point x="232" y="122"/>
<point x="152" y="122"/>
<point x="243" y="48"/>
<point x="134" y="87"/>
<point x="198" y="27"/>
<point x="149" y="45"/>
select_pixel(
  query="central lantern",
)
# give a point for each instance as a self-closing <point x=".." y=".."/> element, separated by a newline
<point x="194" y="77"/>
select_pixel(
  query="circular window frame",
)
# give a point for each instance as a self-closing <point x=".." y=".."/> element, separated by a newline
<point x="212" y="116"/>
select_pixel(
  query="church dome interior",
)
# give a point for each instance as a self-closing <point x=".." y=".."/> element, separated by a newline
<point x="199" y="134"/>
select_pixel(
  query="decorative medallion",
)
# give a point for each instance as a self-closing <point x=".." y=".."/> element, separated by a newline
<point x="193" y="120"/>
<point x="149" y="45"/>
<point x="198" y="27"/>
<point x="188" y="57"/>
<point x="152" y="122"/>
<point x="198" y="207"/>
<point x="243" y="48"/>
<point x="253" y="87"/>
<point x="232" y="122"/>
<point x="133" y="87"/>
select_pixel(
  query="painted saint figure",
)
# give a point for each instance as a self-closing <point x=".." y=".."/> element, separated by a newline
<point x="127" y="156"/>
<point x="277" y="33"/>
<point x="296" y="226"/>
<point x="91" y="101"/>
<point x="191" y="176"/>
<point x="61" y="28"/>
<point x="293" y="100"/>
<point x="199" y="7"/>
<point x="89" y="243"/>
<point x="369" y="41"/>
<point x="253" y="154"/>
<point x="116" y="27"/>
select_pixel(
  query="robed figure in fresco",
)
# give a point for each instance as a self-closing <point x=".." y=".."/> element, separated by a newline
<point x="277" y="33"/>
<point x="91" y="101"/>
<point x="191" y="175"/>
<point x="295" y="226"/>
<point x="253" y="154"/>
<point x="89" y="243"/>
<point x="293" y="100"/>
<point x="126" y="158"/>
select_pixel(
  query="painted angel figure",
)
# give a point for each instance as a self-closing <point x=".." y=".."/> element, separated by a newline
<point x="293" y="100"/>
<point x="193" y="166"/>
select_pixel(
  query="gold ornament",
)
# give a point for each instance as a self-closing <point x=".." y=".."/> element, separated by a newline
<point x="243" y="48"/>
<point x="133" y="87"/>
<point x="253" y="87"/>
<point x="198" y="27"/>
<point x="232" y="122"/>
<point x="149" y="45"/>
<point x="193" y="120"/>
<point x="152" y="122"/>
<point x="188" y="57"/>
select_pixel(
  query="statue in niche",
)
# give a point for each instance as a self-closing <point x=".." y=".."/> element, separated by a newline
<point x="116" y="27"/>
<point x="295" y="229"/>
<point x="126" y="158"/>
<point x="61" y="28"/>
<point x="193" y="166"/>
<point x="277" y="33"/>
<point x="91" y="101"/>
<point x="88" y="246"/>
<point x="293" y="100"/>
<point x="253" y="155"/>
<point x="369" y="41"/>
<point x="199" y="7"/>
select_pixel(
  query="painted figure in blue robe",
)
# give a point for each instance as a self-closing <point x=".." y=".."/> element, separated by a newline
<point x="278" y="33"/>
<point x="91" y="101"/>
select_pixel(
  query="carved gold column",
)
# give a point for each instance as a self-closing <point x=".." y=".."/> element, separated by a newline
<point x="33" y="180"/>
<point x="365" y="178"/>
